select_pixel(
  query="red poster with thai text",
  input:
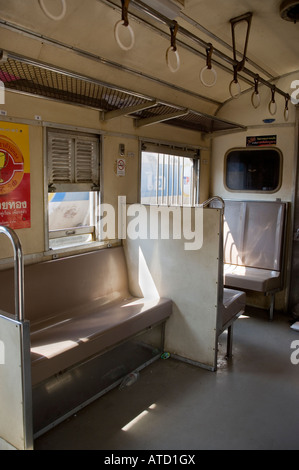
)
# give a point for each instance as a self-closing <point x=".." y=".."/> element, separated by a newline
<point x="14" y="176"/>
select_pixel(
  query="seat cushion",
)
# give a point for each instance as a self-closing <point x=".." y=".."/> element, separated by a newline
<point x="256" y="279"/>
<point x="233" y="304"/>
<point x="72" y="340"/>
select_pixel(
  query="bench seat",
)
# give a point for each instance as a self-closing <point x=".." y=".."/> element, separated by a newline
<point x="248" y="278"/>
<point x="72" y="338"/>
<point x="233" y="306"/>
<point x="79" y="307"/>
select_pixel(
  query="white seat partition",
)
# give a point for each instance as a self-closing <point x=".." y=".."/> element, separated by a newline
<point x="202" y="310"/>
<point x="253" y="246"/>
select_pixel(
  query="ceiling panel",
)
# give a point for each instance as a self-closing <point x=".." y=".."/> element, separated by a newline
<point x="86" y="34"/>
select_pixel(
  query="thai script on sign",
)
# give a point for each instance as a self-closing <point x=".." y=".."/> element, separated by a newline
<point x="13" y="205"/>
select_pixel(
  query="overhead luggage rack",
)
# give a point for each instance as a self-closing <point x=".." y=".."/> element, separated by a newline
<point x="192" y="120"/>
<point x="26" y="76"/>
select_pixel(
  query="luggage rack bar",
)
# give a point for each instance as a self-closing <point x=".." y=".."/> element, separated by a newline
<point x="18" y="272"/>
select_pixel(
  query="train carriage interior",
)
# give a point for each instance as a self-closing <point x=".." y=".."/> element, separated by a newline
<point x="149" y="225"/>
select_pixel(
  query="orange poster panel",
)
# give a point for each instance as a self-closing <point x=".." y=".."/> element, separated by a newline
<point x="14" y="176"/>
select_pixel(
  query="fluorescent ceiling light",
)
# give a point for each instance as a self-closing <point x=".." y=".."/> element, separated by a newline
<point x="169" y="8"/>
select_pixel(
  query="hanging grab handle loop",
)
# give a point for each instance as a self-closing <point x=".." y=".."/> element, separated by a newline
<point x="49" y="14"/>
<point x="124" y="22"/>
<point x="255" y="97"/>
<point x="273" y="104"/>
<point x="173" y="49"/>
<point x="209" y="66"/>
<point x="239" y="65"/>
<point x="286" y="109"/>
<point x="235" y="84"/>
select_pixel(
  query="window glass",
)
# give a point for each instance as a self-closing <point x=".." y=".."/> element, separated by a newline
<point x="253" y="170"/>
<point x="169" y="179"/>
<point x="69" y="210"/>
<point x="71" y="218"/>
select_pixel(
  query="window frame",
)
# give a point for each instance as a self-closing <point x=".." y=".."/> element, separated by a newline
<point x="60" y="187"/>
<point x="252" y="149"/>
<point x="177" y="150"/>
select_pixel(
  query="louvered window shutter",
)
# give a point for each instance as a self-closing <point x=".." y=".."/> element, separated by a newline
<point x="60" y="160"/>
<point x="85" y="164"/>
<point x="73" y="162"/>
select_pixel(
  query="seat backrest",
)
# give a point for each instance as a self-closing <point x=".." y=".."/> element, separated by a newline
<point x="253" y="233"/>
<point x="54" y="287"/>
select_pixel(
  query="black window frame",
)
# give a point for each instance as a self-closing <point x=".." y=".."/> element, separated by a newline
<point x="262" y="189"/>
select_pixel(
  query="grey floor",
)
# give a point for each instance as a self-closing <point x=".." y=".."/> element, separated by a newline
<point x="251" y="402"/>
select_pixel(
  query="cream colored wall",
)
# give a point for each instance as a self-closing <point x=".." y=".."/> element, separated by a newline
<point x="21" y="108"/>
<point x="221" y="145"/>
<point x="242" y="112"/>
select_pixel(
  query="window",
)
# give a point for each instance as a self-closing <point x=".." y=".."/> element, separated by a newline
<point x="253" y="170"/>
<point x="169" y="175"/>
<point x="73" y="194"/>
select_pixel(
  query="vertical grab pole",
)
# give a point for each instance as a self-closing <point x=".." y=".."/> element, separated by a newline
<point x="18" y="272"/>
<point x="220" y="276"/>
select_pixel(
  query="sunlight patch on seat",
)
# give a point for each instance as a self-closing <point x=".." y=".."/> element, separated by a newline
<point x="54" y="349"/>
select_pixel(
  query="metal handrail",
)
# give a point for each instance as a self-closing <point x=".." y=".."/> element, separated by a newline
<point x="221" y="230"/>
<point x="18" y="272"/>
<point x="214" y="198"/>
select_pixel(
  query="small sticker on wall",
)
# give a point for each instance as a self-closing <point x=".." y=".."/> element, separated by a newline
<point x="121" y="167"/>
<point x="261" y="141"/>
